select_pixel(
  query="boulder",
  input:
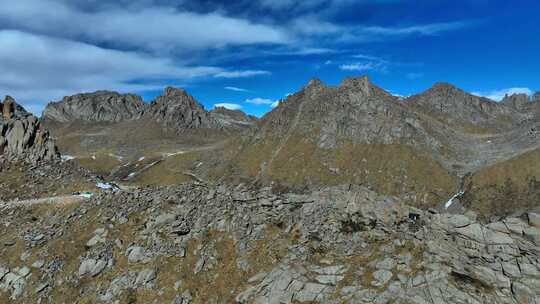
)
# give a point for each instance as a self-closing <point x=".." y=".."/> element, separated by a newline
<point x="534" y="219"/>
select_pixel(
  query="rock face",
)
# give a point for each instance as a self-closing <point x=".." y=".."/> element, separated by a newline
<point x="177" y="110"/>
<point x="332" y="135"/>
<point x="101" y="106"/>
<point x="202" y="243"/>
<point x="21" y="136"/>
<point x="461" y="107"/>
<point x="234" y="119"/>
<point x="355" y="111"/>
<point x="516" y="101"/>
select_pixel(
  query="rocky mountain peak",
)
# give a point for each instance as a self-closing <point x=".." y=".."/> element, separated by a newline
<point x="172" y="91"/>
<point x="178" y="110"/>
<point x="235" y="119"/>
<point x="314" y="83"/>
<point x="445" y="86"/>
<point x="98" y="106"/>
<point x="9" y="109"/>
<point x="361" y="84"/>
<point x="177" y="96"/>
<point x="458" y="105"/>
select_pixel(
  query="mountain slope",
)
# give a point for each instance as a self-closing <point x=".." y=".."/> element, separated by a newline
<point x="454" y="106"/>
<point x="354" y="133"/>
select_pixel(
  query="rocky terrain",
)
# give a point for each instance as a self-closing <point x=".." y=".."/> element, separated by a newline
<point x="202" y="243"/>
<point x="235" y="119"/>
<point x="21" y="136"/>
<point x="340" y="194"/>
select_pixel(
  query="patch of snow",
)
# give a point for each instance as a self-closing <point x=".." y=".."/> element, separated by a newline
<point x="66" y="157"/>
<point x="93" y="157"/>
<point x="132" y="174"/>
<point x="174" y="154"/>
<point x="451" y="200"/>
<point x="118" y="157"/>
<point x="85" y="195"/>
<point x="105" y="186"/>
<point x="141" y="158"/>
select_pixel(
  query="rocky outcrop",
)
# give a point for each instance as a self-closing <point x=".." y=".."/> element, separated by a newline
<point x="100" y="106"/>
<point x="461" y="107"/>
<point x="516" y="101"/>
<point x="178" y="111"/>
<point x="202" y="243"/>
<point x="21" y="136"/>
<point x="233" y="119"/>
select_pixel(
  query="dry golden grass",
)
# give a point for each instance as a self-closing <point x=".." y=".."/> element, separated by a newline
<point x="388" y="169"/>
<point x="168" y="172"/>
<point x="102" y="163"/>
<point x="506" y="187"/>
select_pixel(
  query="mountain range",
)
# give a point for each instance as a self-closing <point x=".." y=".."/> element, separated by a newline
<point x="340" y="194"/>
<point x="423" y="148"/>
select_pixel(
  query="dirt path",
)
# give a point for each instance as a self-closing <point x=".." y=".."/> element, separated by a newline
<point x="54" y="200"/>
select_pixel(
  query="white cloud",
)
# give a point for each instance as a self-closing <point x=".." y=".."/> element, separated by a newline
<point x="275" y="104"/>
<point x="367" y="57"/>
<point x="150" y="27"/>
<point x="498" y="95"/>
<point x="236" y="89"/>
<point x="230" y="106"/>
<point x="365" y="66"/>
<point x="37" y="69"/>
<point x="240" y="74"/>
<point x="303" y="51"/>
<point x="260" y="101"/>
<point x="422" y="29"/>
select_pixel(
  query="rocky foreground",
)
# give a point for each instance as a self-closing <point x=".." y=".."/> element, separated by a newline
<point x="199" y="243"/>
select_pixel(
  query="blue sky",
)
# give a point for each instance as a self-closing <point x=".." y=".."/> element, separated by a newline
<point x="250" y="53"/>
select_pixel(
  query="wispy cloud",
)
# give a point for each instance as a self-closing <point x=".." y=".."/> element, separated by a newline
<point x="150" y="27"/>
<point x="363" y="66"/>
<point x="260" y="101"/>
<point x="53" y="68"/>
<point x="241" y="74"/>
<point x="302" y="51"/>
<point x="230" y="106"/>
<point x="422" y="29"/>
<point x="236" y="89"/>
<point x="367" y="57"/>
<point x="498" y="95"/>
